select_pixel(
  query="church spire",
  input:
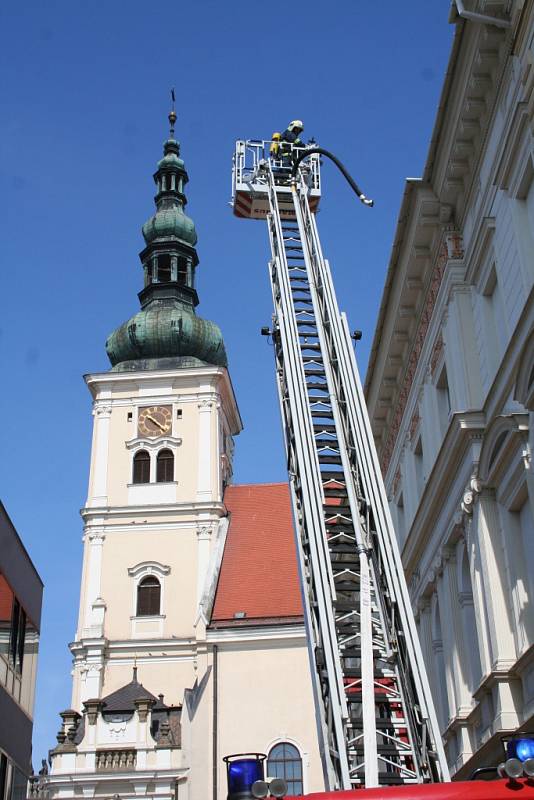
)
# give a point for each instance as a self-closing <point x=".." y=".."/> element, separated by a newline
<point x="166" y="333"/>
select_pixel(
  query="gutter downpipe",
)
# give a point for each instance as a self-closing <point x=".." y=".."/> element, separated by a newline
<point x="482" y="18"/>
<point x="215" y="754"/>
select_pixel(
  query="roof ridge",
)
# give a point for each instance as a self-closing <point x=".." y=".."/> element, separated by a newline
<point x="267" y="483"/>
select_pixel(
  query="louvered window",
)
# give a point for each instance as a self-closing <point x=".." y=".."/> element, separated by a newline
<point x="165" y="466"/>
<point x="141" y="467"/>
<point x="148" y="597"/>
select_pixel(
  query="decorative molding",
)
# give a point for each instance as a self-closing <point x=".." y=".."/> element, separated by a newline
<point x="148" y="568"/>
<point x="451" y="249"/>
<point x="396" y="480"/>
<point x="204" y="532"/>
<point x="470" y="495"/>
<point x="101" y="410"/>
<point x="437" y="352"/>
<point x="153" y="444"/>
<point x="414" y="424"/>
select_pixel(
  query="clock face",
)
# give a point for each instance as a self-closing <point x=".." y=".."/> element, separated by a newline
<point x="154" y="421"/>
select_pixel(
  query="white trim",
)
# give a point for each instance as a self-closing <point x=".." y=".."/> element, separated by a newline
<point x="165" y="442"/>
<point x="149" y="568"/>
<point x="254" y="633"/>
<point x="153" y="447"/>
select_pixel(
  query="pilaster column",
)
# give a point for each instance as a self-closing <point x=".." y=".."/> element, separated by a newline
<point x="463" y="371"/>
<point x="486" y="528"/>
<point x="99" y="474"/>
<point x="425" y="636"/>
<point x="204" y="535"/>
<point x="92" y="623"/>
<point x="449" y="646"/>
<point x="91" y="677"/>
<point x="449" y="605"/>
<point x="477" y="584"/>
<point x="527" y="460"/>
<point x="205" y="451"/>
<point x="430" y="422"/>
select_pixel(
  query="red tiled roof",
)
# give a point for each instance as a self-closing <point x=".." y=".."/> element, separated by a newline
<point x="259" y="573"/>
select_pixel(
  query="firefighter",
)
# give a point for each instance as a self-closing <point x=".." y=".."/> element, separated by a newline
<point x="291" y="136"/>
<point x="274" y="149"/>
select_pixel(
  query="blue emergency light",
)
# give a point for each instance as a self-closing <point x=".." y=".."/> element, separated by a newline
<point x="242" y="770"/>
<point x="519" y="756"/>
<point x="521" y="748"/>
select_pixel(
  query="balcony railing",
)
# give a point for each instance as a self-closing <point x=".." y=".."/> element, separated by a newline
<point x="113" y="760"/>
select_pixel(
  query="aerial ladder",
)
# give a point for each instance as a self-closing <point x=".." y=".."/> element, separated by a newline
<point x="375" y="715"/>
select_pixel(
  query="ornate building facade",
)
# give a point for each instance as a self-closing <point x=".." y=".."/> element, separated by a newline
<point x="190" y="642"/>
<point x="450" y="386"/>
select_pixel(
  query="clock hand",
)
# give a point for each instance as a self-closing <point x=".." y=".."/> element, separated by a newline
<point x="160" y="426"/>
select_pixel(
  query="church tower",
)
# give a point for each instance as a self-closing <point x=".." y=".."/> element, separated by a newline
<point x="190" y="642"/>
<point x="154" y="521"/>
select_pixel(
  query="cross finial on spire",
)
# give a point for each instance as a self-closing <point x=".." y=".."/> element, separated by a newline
<point x="134" y="677"/>
<point x="172" y="115"/>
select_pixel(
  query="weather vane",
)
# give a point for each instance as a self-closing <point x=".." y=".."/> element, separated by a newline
<point x="172" y="115"/>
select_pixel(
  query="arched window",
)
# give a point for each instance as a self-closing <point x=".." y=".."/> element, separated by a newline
<point x="148" y="597"/>
<point x="141" y="467"/>
<point x="165" y="466"/>
<point x="284" y="761"/>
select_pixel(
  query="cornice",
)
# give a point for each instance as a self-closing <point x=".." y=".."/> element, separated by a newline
<point x="256" y="633"/>
<point x="102" y="514"/>
<point x="105" y="383"/>
<point x="446" y="274"/>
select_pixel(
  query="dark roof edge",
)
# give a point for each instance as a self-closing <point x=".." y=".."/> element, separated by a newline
<point x="10" y="521"/>
<point x="410" y="182"/>
<point x="255" y="622"/>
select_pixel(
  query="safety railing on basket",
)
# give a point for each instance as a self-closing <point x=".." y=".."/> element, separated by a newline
<point x="251" y="160"/>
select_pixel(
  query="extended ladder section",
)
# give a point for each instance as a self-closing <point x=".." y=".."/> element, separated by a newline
<point x="375" y="715"/>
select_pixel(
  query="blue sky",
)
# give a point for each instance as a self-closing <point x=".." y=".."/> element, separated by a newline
<point x="83" y="102"/>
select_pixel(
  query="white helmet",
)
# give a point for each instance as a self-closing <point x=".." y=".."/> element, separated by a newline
<point x="296" y="123"/>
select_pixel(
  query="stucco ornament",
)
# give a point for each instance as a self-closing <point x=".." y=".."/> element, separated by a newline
<point x="470" y="495"/>
<point x="527" y="456"/>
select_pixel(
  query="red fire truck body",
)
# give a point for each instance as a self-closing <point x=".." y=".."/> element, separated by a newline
<point x="503" y="789"/>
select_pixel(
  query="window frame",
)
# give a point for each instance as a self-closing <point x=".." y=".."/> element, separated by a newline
<point x="290" y="781"/>
<point x="160" y="460"/>
<point x="141" y="571"/>
<point x="140" y="585"/>
<point x="136" y="460"/>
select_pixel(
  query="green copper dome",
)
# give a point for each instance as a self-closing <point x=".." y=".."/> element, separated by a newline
<point x="171" y="158"/>
<point x="166" y="333"/>
<point x="170" y="222"/>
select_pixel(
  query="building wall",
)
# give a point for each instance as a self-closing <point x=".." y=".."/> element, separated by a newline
<point x="451" y="422"/>
<point x="241" y="687"/>
<point x="21" y="592"/>
<point x="165" y="530"/>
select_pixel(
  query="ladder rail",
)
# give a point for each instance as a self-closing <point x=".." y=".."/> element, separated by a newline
<point x="309" y="474"/>
<point x="375" y="718"/>
<point x="374" y="489"/>
<point x="366" y="633"/>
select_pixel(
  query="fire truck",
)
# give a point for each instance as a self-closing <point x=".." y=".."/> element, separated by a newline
<point x="376" y="723"/>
